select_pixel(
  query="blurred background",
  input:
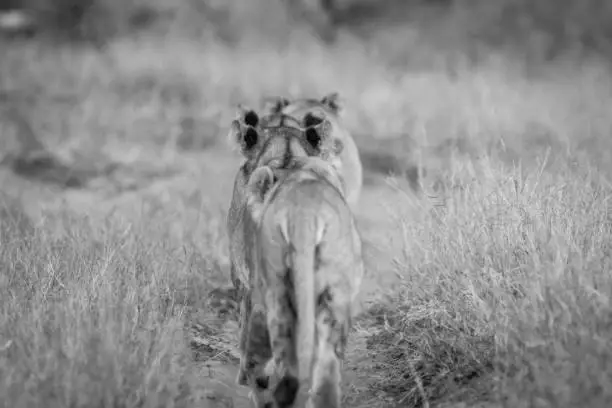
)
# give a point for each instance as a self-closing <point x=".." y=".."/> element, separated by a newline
<point x="535" y="29"/>
<point x="392" y="60"/>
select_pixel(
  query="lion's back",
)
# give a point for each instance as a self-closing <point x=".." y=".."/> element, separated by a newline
<point x="350" y="160"/>
<point x="309" y="195"/>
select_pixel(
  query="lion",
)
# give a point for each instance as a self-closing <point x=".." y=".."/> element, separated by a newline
<point x="308" y="263"/>
<point x="309" y="112"/>
<point x="276" y="147"/>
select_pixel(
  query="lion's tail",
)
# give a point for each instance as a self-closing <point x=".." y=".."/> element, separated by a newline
<point x="303" y="239"/>
<point x="316" y="332"/>
<point x="303" y="270"/>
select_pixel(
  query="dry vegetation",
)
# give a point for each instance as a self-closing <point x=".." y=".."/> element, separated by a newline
<point x="106" y="292"/>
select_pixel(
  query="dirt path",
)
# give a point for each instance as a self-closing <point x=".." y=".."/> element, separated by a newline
<point x="212" y="172"/>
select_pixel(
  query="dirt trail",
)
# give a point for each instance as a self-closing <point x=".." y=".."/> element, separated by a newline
<point x="212" y="172"/>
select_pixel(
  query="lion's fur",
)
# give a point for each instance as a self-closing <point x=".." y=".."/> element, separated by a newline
<point x="278" y="148"/>
<point x="309" y="265"/>
<point x="306" y="110"/>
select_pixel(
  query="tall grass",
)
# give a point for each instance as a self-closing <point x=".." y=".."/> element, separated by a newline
<point x="506" y="292"/>
<point x="95" y="314"/>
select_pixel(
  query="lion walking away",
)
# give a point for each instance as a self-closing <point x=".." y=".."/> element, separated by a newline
<point x="309" y="261"/>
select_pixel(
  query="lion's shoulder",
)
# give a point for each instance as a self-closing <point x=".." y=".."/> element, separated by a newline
<point x="310" y="184"/>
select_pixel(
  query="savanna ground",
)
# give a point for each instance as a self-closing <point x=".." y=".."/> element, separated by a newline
<point x="488" y="247"/>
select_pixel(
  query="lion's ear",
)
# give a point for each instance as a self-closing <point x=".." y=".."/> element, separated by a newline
<point x="333" y="102"/>
<point x="244" y="137"/>
<point x="310" y="120"/>
<point x="318" y="135"/>
<point x="247" y="115"/>
<point x="243" y="130"/>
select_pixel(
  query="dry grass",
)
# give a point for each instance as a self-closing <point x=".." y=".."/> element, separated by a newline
<point x="505" y="294"/>
<point x="94" y="314"/>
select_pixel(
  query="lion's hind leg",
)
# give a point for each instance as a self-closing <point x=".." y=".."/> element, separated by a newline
<point x="333" y="324"/>
<point x="257" y="357"/>
<point x="243" y="336"/>
<point x="282" y="324"/>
